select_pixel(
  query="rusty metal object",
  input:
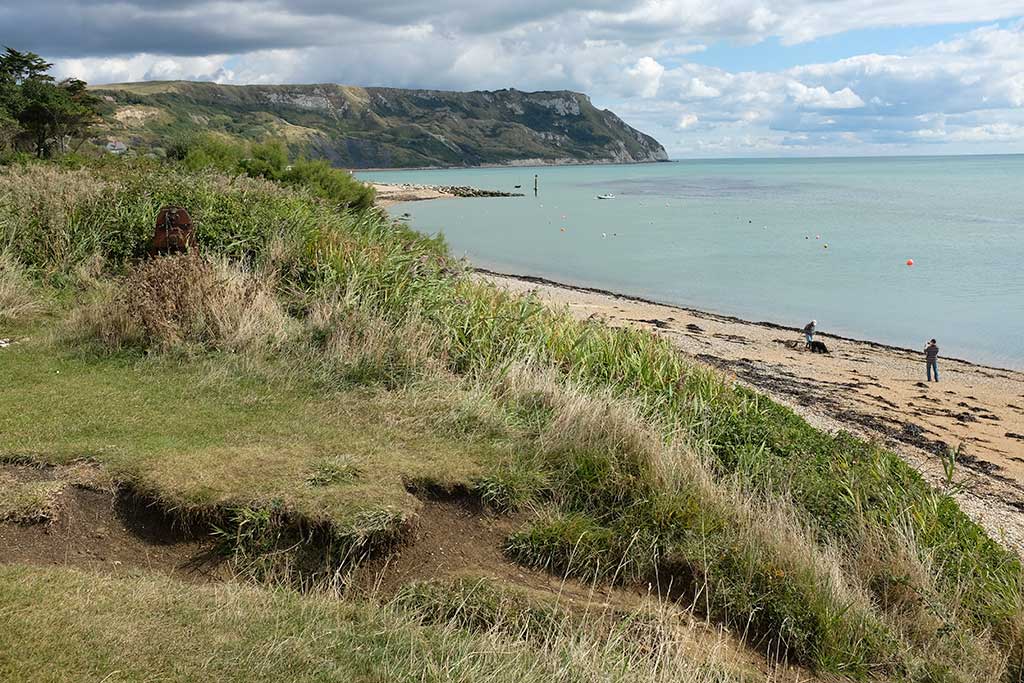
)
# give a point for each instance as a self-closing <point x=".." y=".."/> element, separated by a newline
<point x="174" y="233"/>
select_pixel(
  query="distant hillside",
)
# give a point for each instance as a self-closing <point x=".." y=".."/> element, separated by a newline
<point x="380" y="127"/>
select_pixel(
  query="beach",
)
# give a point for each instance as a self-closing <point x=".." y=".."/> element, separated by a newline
<point x="778" y="240"/>
<point x="876" y="391"/>
<point x="389" y="194"/>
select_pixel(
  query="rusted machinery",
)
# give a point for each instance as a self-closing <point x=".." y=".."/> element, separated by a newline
<point x="174" y="232"/>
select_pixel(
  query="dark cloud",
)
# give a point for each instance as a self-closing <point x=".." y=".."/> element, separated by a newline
<point x="56" y="28"/>
<point x="95" y="28"/>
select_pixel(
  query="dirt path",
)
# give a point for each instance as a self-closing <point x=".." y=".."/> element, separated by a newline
<point x="870" y="389"/>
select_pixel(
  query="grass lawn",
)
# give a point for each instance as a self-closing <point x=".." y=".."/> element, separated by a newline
<point x="199" y="434"/>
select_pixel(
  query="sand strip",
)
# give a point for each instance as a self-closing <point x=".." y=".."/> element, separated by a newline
<point x="389" y="194"/>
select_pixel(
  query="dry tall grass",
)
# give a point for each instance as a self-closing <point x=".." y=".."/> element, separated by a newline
<point x="45" y="205"/>
<point x="183" y="303"/>
<point x="749" y="556"/>
<point x="18" y="294"/>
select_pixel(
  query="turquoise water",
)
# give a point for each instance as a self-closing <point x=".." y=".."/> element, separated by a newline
<point x="748" y="238"/>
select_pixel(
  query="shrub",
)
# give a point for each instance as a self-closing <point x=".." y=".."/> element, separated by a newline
<point x="334" y="185"/>
<point x="269" y="160"/>
<point x="214" y="151"/>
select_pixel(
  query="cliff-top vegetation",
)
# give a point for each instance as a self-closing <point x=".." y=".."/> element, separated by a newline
<point x="318" y="368"/>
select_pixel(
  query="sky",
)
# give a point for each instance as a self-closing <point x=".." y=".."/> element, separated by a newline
<point x="707" y="79"/>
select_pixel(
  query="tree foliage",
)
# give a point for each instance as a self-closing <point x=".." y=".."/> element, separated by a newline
<point x="37" y="113"/>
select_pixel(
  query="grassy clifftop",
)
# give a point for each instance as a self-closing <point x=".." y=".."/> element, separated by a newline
<point x="382" y="127"/>
<point x="304" y="384"/>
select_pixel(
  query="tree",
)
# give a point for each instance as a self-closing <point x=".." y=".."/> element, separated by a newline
<point x="37" y="112"/>
<point x="8" y="130"/>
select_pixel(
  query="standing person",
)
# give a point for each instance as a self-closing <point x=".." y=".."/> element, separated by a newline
<point x="809" y="332"/>
<point x="931" y="359"/>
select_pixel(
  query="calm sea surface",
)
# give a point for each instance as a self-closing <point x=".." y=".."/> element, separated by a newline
<point x="779" y="240"/>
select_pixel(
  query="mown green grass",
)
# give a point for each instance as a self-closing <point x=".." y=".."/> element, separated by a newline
<point x="198" y="439"/>
<point x="646" y="466"/>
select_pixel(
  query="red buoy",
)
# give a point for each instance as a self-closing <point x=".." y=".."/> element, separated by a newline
<point x="910" y="261"/>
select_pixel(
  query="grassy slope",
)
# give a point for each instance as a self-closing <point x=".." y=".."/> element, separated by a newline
<point x="643" y="467"/>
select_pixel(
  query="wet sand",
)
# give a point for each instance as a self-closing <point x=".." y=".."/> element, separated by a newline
<point x="873" y="390"/>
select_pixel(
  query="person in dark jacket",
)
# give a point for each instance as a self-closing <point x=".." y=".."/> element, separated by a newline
<point x="809" y="332"/>
<point x="931" y="359"/>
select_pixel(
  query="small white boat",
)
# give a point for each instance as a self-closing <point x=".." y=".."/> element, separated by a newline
<point x="605" y="196"/>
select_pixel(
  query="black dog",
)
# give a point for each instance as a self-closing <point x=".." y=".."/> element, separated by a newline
<point x="818" y="347"/>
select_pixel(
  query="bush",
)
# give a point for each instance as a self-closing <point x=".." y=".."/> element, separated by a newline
<point x="214" y="151"/>
<point x="332" y="184"/>
<point x="269" y="160"/>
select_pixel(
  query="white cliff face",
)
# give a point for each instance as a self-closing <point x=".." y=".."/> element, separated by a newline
<point x="313" y="101"/>
<point x="554" y="138"/>
<point x="563" y="106"/>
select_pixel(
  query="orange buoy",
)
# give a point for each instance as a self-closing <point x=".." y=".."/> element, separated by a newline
<point x="910" y="261"/>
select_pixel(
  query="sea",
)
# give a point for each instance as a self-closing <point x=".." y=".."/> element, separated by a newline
<point x="896" y="250"/>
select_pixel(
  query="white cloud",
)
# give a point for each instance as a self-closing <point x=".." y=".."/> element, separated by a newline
<point x="146" y="67"/>
<point x="687" y="121"/>
<point x="700" y="90"/>
<point x="819" y="97"/>
<point x="646" y="74"/>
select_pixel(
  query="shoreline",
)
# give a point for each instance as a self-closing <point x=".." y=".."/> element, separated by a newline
<point x="725" y="317"/>
<point x="873" y="390"/>
<point x="389" y="194"/>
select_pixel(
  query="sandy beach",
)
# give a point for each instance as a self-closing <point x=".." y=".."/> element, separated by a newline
<point x="393" y="193"/>
<point x="389" y="194"/>
<point x="873" y="390"/>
